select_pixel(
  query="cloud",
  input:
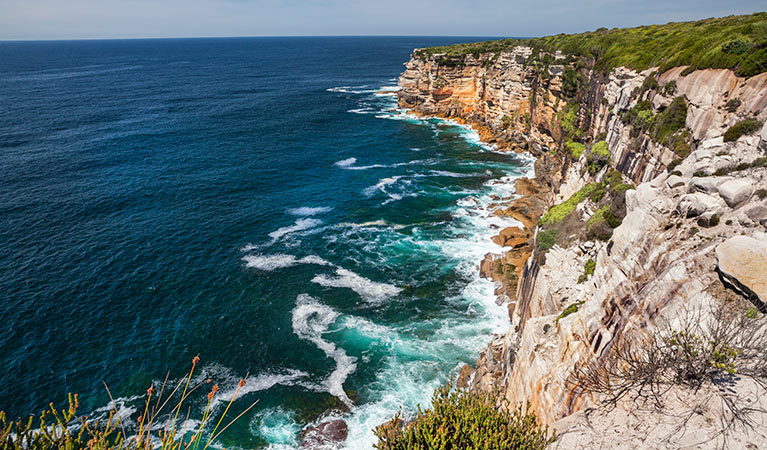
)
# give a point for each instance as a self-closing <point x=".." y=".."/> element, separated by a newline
<point x="51" y="19"/>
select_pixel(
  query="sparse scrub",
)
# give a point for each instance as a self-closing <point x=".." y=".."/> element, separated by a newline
<point x="159" y="425"/>
<point x="732" y="105"/>
<point x="705" y="347"/>
<point x="743" y="128"/>
<point x="460" y="419"/>
<point x="557" y="213"/>
<point x="588" y="270"/>
<point x="547" y="239"/>
<point x="571" y="309"/>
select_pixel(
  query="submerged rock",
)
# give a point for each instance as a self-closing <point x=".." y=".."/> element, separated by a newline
<point x="742" y="263"/>
<point x="328" y="434"/>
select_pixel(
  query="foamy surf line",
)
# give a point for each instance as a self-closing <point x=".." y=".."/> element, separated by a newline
<point x="269" y="263"/>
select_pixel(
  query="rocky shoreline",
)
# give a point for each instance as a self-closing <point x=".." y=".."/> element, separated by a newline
<point x="683" y="214"/>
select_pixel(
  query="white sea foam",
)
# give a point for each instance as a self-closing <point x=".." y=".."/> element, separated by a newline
<point x="299" y="225"/>
<point x="346" y="162"/>
<point x="370" y="291"/>
<point x="312" y="319"/>
<point x="309" y="210"/>
<point x="278" y="428"/>
<point x="381" y="185"/>
<point x="258" y="383"/>
<point x="280" y="261"/>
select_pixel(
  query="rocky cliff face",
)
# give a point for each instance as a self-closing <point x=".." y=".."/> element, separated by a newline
<point x="683" y="224"/>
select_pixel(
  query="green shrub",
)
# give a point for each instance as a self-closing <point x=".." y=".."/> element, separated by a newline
<point x="600" y="149"/>
<point x="506" y="122"/>
<point x="736" y="47"/>
<point x="547" y="239"/>
<point x="576" y="149"/>
<point x="669" y="88"/>
<point x="588" y="270"/>
<point x="671" y="120"/>
<point x="597" y="195"/>
<point x="460" y="419"/>
<point x="761" y="193"/>
<point x="732" y="105"/>
<point x="557" y="213"/>
<point x="743" y="128"/>
<point x="572" y="309"/>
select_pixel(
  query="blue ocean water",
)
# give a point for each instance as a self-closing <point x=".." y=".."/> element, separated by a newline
<point x="260" y="202"/>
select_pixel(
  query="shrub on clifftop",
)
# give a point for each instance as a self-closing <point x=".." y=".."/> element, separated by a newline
<point x="742" y="128"/>
<point x="460" y="419"/>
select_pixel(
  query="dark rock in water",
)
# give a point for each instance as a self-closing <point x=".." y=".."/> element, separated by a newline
<point x="328" y="434"/>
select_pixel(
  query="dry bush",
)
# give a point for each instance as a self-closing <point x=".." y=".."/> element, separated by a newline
<point x="717" y="347"/>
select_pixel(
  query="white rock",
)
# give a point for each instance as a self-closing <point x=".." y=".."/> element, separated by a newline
<point x="693" y="205"/>
<point x="742" y="261"/>
<point x="735" y="192"/>
<point x="674" y="181"/>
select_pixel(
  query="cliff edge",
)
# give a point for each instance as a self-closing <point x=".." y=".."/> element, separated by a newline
<point x="647" y="216"/>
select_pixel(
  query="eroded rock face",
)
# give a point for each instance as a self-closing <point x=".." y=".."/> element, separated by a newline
<point x="742" y="262"/>
<point x="660" y="260"/>
<point x="327" y="435"/>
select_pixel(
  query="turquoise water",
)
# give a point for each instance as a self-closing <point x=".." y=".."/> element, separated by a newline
<point x="259" y="202"/>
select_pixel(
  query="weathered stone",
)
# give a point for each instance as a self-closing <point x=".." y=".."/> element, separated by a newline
<point x="742" y="263"/>
<point x="675" y="181"/>
<point x="694" y="205"/>
<point x="464" y="376"/>
<point x="327" y="434"/>
<point x="758" y="214"/>
<point x="735" y="192"/>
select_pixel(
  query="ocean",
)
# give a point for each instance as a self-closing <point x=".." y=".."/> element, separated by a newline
<point x="261" y="202"/>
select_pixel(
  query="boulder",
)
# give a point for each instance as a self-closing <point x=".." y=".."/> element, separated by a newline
<point x="703" y="184"/>
<point x="758" y="214"/>
<point x="735" y="192"/>
<point x="694" y="205"/>
<point x="742" y="264"/>
<point x="675" y="181"/>
<point x="327" y="434"/>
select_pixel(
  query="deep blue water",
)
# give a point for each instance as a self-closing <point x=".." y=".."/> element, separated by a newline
<point x="258" y="202"/>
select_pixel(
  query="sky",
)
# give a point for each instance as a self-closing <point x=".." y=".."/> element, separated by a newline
<point x="93" y="19"/>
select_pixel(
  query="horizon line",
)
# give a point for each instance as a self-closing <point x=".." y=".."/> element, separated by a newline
<point x="146" y="38"/>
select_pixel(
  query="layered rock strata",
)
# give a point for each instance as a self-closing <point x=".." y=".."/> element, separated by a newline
<point x="685" y="226"/>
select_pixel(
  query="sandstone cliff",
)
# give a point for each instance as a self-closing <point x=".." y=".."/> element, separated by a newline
<point x="698" y="203"/>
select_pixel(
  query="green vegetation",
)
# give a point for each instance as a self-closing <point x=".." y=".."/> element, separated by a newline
<point x="156" y="427"/>
<point x="732" y="105"/>
<point x="666" y="127"/>
<point x="576" y="149"/>
<point x="460" y="419"/>
<point x="733" y="42"/>
<point x="599" y="156"/>
<point x="599" y="216"/>
<point x="557" y="213"/>
<point x="588" y="270"/>
<point x="572" y="309"/>
<point x="547" y="239"/>
<point x="761" y="193"/>
<point x="743" y="128"/>
<point x="600" y="149"/>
